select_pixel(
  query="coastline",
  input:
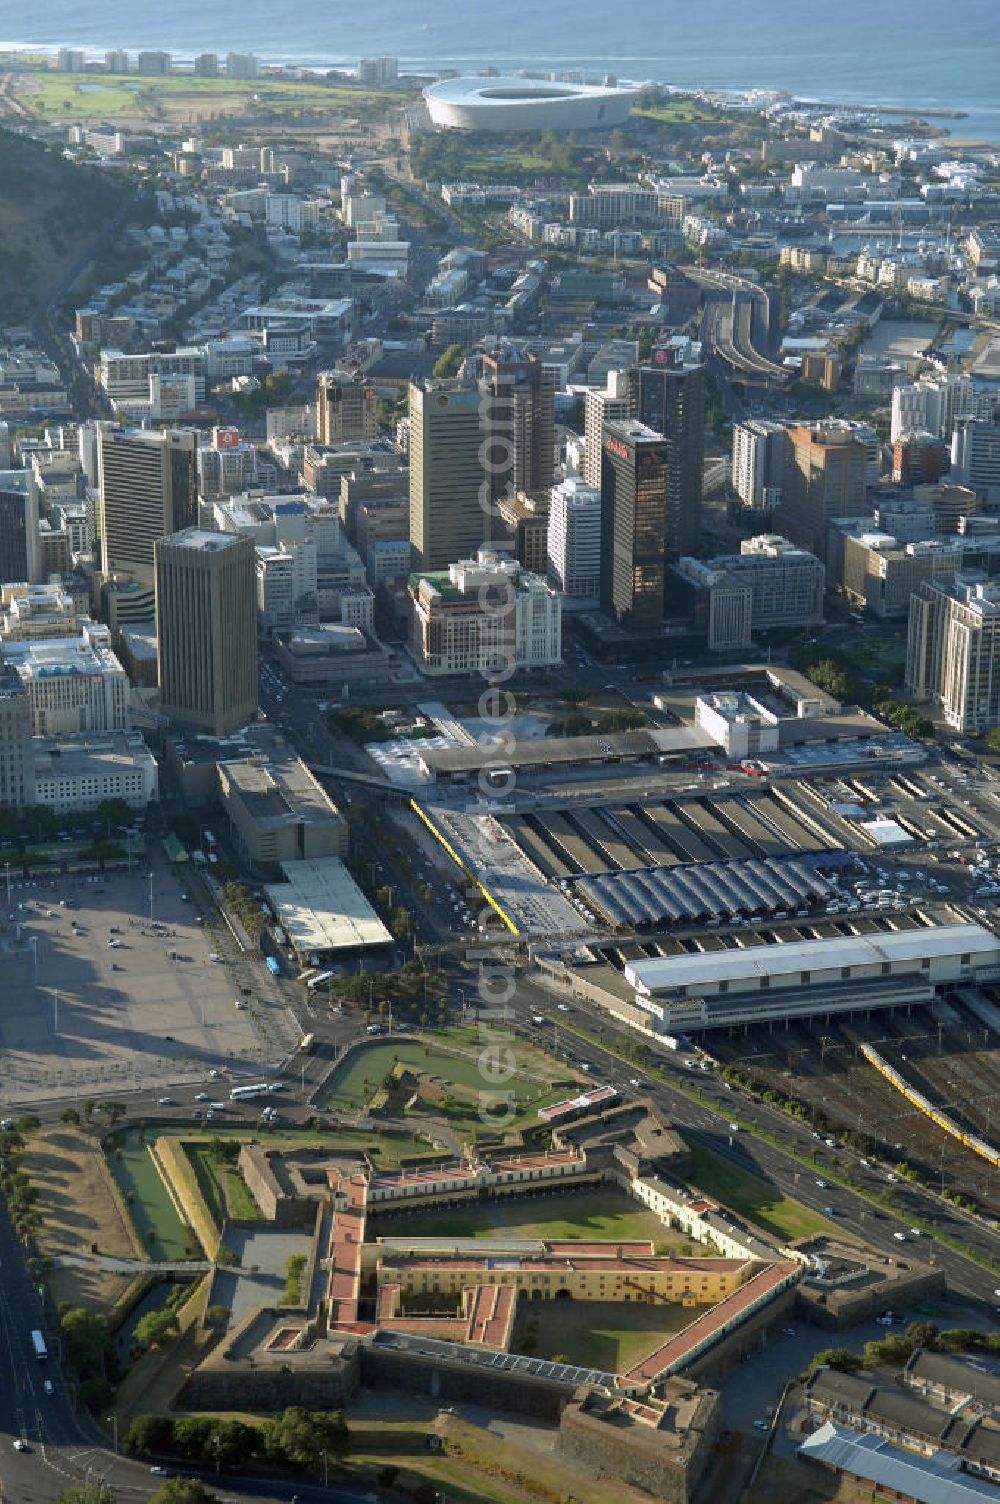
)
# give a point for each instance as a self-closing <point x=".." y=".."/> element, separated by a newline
<point x="937" y="116"/>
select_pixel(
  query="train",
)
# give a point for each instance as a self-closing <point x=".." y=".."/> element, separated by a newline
<point x="944" y="1122"/>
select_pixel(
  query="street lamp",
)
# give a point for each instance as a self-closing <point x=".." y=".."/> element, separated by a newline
<point x="326" y="1470"/>
<point x="113" y="1420"/>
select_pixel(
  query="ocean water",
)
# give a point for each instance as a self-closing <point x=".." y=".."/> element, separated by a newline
<point x="897" y="53"/>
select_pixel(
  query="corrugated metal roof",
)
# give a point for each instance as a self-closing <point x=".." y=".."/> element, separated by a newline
<point x="933" y="1480"/>
<point x="706" y="968"/>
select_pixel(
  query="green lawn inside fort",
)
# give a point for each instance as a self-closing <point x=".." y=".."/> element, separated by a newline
<point x="596" y="1334"/>
<point x="591" y="1212"/>
<point x="757" y="1200"/>
<point x="454" y="1080"/>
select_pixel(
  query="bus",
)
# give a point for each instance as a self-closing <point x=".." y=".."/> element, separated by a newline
<point x="38" y="1343"/>
<point x="318" y="980"/>
<point x="272" y="966"/>
<point x="244" y="1093"/>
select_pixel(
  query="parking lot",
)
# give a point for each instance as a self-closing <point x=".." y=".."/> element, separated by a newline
<point x="95" y="995"/>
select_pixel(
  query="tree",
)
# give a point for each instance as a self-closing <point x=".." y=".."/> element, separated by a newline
<point x="300" y="1437"/>
<point x="193" y="1436"/>
<point x="217" y="1317"/>
<point x="447" y="364"/>
<point x="184" y="1491"/>
<point x="149" y="1433"/>
<point x="69" y="1115"/>
<point x="88" y="1341"/>
<point x="87" y="1493"/>
<point x="155" y="1328"/>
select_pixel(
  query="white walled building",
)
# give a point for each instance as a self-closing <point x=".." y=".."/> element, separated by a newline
<point x="934" y="404"/>
<point x="759" y="457"/>
<point x="481" y="614"/>
<point x="74" y="684"/>
<point x="953" y="650"/>
<point x="81" y="773"/>
<point x="574" y="540"/>
<point x="286" y="586"/>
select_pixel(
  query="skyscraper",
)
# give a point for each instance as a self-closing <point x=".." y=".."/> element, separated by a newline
<point x="206" y="629"/>
<point x="610" y="405"/>
<point x="519" y="396"/>
<point x="149" y="488"/>
<point x="17" y="786"/>
<point x="826" y="472"/>
<point x="346" y="409"/>
<point x="449" y="502"/>
<point x="669" y="397"/>
<point x="633" y="523"/>
<point x="20" y="546"/>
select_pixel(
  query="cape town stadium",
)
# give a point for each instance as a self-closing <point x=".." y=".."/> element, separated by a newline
<point x="525" y="104"/>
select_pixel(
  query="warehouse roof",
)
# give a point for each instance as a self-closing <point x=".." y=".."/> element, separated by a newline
<point x="933" y="1480"/>
<point x="706" y="968"/>
<point x="566" y="749"/>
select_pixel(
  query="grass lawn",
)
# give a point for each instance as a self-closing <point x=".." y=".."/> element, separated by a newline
<point x="681" y="111"/>
<point x="225" y="1191"/>
<point x="757" y="1200"/>
<point x="599" y="1213"/>
<point x="464" y="1078"/>
<point x="147" y="1198"/>
<point x="596" y="1334"/>
<point x="54" y="96"/>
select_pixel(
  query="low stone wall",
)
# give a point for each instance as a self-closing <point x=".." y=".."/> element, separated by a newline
<point x="518" y="1393"/>
<point x="182" y="1182"/>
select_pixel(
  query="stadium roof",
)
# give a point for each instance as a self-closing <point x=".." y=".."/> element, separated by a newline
<point x="322" y="909"/>
<point x="708" y="968"/>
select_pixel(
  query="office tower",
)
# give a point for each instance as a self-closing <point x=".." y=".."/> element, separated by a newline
<point x="633" y="523"/>
<point x="953" y="650"/>
<point x="449" y="489"/>
<point x="16" y="771"/>
<point x="610" y="405"/>
<point x="206" y="629"/>
<point x="346" y="408"/>
<point x="669" y="397"/>
<point x="519" y="394"/>
<point x="975" y="457"/>
<point x="769" y="583"/>
<point x="20" y="546"/>
<point x="574" y="540"/>
<point x="148" y="489"/>
<point x="825" y="477"/>
<point x="759" y="463"/>
<point x="5" y="444"/>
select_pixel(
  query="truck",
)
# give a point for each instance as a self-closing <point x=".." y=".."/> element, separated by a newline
<point x="272" y="966"/>
<point x="38" y="1343"/>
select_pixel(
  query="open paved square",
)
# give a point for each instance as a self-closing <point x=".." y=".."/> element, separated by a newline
<point x="94" y="996"/>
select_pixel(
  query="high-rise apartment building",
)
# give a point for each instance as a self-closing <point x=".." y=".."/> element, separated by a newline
<point x="633" y="523"/>
<point x="16" y="775"/>
<point x="241" y="65"/>
<point x="825" y="477"/>
<point x="759" y="463"/>
<point x="574" y="540"/>
<point x="975" y="457"/>
<point x="116" y="61"/>
<point x="20" y="546"/>
<point x="519" y="405"/>
<point x="154" y="64"/>
<point x="449" y="489"/>
<point x="206" y="629"/>
<point x="346" y="408"/>
<point x="934" y="404"/>
<point x="376" y="71"/>
<point x="206" y="65"/>
<point x="953" y="650"/>
<point x="149" y="488"/>
<point x="610" y="405"/>
<point x="668" y="396"/>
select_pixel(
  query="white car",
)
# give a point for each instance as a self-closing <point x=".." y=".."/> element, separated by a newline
<point x="20" y="1445"/>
